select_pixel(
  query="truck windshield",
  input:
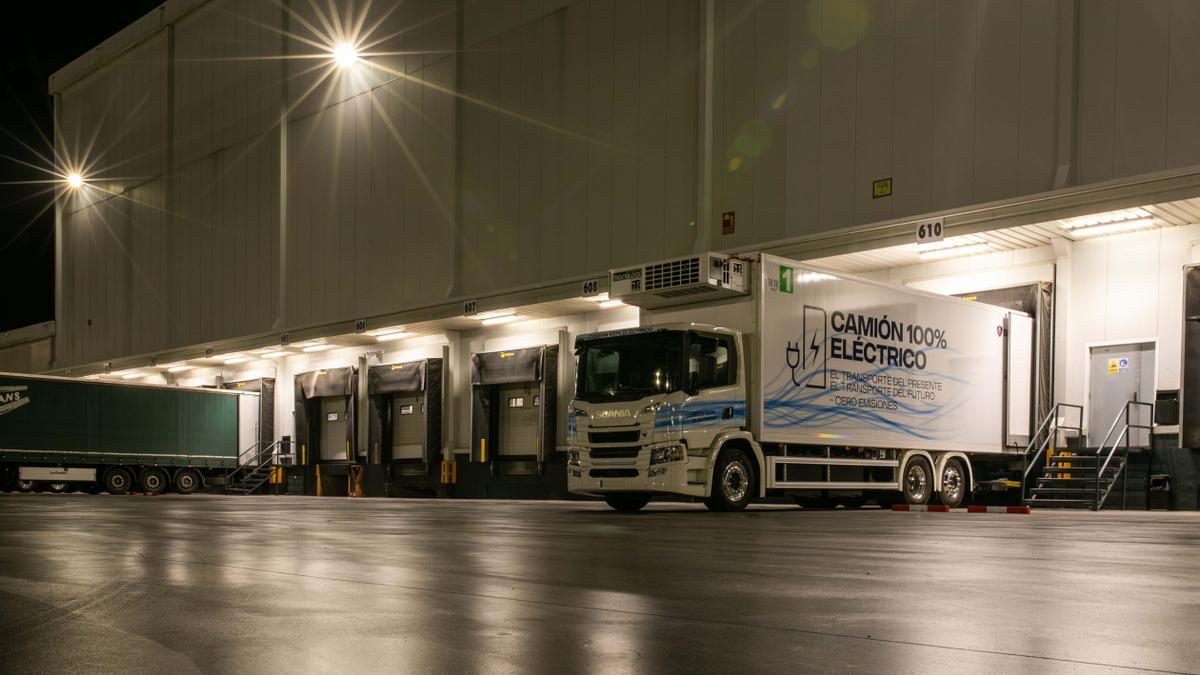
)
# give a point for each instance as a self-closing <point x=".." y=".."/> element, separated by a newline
<point x="629" y="367"/>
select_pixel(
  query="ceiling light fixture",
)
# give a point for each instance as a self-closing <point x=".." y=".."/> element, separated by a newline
<point x="316" y="348"/>
<point x="611" y="304"/>
<point x="1116" y="227"/>
<point x="74" y="180"/>
<point x="497" y="320"/>
<point x="954" y="251"/>
<point x="345" y="55"/>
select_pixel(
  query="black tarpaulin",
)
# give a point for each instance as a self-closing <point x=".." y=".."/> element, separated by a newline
<point x="319" y="384"/>
<point x="507" y="367"/>
<point x="383" y="382"/>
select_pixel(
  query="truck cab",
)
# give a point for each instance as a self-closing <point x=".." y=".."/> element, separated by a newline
<point x="652" y="408"/>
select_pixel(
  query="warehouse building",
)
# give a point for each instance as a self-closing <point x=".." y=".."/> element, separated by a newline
<point x="397" y="218"/>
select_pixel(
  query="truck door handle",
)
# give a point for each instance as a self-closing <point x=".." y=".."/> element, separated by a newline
<point x="727" y="414"/>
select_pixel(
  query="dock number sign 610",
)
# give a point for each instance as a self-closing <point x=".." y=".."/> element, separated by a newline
<point x="929" y="231"/>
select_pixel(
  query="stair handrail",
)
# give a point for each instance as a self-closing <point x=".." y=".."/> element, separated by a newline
<point x="266" y="456"/>
<point x="1124" y="435"/>
<point x="1052" y="427"/>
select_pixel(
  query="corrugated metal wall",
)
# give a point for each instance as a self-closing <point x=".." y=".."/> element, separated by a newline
<point x="574" y="143"/>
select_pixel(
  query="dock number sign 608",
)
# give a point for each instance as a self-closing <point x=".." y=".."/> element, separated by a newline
<point x="929" y="231"/>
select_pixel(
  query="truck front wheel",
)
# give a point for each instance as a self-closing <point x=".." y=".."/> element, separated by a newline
<point x="733" y="482"/>
<point x="117" y="481"/>
<point x="627" y="502"/>
<point x="25" y="485"/>
<point x="917" y="482"/>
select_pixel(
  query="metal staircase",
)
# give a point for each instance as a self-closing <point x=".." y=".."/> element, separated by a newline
<point x="251" y="474"/>
<point x="1083" y="477"/>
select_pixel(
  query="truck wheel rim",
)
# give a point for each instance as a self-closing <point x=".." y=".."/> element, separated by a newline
<point x="185" y="481"/>
<point x="734" y="482"/>
<point x="952" y="481"/>
<point x="58" y="487"/>
<point x="25" y="484"/>
<point x="153" y="482"/>
<point x="917" y="482"/>
<point x="117" y="480"/>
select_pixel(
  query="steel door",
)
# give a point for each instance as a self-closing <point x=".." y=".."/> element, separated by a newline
<point x="1117" y="374"/>
<point x="519" y="419"/>
<point x="408" y="428"/>
<point x="333" y="429"/>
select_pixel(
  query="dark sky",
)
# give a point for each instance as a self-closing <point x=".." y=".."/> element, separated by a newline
<point x="36" y="39"/>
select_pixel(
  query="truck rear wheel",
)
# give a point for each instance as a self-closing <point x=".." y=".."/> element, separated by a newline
<point x="57" y="487"/>
<point x="118" y="480"/>
<point x="917" y="482"/>
<point x="954" y="484"/>
<point x="733" y="482"/>
<point x="187" y="481"/>
<point x="152" y="481"/>
<point x="24" y="485"/>
<point x="627" y="502"/>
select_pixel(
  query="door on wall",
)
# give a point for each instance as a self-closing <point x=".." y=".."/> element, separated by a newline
<point x="1118" y="374"/>
<point x="519" y="419"/>
<point x="333" y="429"/>
<point x="408" y="427"/>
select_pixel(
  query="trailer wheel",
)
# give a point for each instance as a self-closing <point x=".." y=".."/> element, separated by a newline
<point x="153" y="481"/>
<point x="187" y="481"/>
<point x="917" y="482"/>
<point x="57" y="488"/>
<point x="24" y="485"/>
<point x="627" y="502"/>
<point x="733" y="482"/>
<point x="118" y="480"/>
<point x="954" y="484"/>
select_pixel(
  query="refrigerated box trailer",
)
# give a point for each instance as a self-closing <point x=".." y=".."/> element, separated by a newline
<point x="756" y="375"/>
<point x="61" y="433"/>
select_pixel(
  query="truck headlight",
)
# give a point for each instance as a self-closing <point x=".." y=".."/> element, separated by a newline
<point x="572" y="458"/>
<point x="669" y="453"/>
<point x="580" y="412"/>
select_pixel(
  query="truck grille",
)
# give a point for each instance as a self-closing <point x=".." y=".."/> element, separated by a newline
<point x="613" y="473"/>
<point x="628" y="452"/>
<point x="672" y="273"/>
<point x="630" y="436"/>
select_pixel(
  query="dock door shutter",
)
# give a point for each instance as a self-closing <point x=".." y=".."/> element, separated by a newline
<point x="496" y="368"/>
<point x="265" y="387"/>
<point x="319" y="384"/>
<point x="422" y="379"/>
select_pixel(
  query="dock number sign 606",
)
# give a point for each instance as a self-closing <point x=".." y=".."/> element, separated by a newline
<point x="930" y="231"/>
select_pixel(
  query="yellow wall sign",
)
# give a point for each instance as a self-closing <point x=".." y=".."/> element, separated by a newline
<point x="1118" y="365"/>
<point x="506" y="355"/>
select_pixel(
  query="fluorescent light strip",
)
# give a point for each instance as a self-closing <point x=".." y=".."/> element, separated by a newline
<point x="610" y="304"/>
<point x="1116" y="227"/>
<point x="388" y="337"/>
<point x="233" y="360"/>
<point x="179" y="368"/>
<point x="955" y="251"/>
<point x="316" y="348"/>
<point x="497" y="320"/>
<point x="273" y="355"/>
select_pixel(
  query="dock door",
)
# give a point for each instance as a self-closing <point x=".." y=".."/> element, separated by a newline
<point x="405" y="425"/>
<point x="514" y="409"/>
<point x="325" y="428"/>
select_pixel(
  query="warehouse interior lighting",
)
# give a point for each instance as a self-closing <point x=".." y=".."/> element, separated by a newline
<point x="611" y="304"/>
<point x="954" y="251"/>
<point x="1119" y="227"/>
<point x="178" y="368"/>
<point x="132" y="375"/>
<point x="236" y="358"/>
<point x="600" y="297"/>
<point x="315" y="348"/>
<point x="498" y="320"/>
<point x="74" y="180"/>
<point x="273" y="354"/>
<point x="394" y="335"/>
<point x="345" y="54"/>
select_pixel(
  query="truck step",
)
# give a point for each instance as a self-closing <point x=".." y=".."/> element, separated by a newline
<point x="1066" y="503"/>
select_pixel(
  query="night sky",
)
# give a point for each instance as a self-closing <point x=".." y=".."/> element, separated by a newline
<point x="35" y="41"/>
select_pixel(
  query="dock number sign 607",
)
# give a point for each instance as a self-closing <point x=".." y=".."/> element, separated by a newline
<point x="930" y="231"/>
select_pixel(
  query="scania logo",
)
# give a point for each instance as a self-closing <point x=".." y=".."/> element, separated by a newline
<point x="12" y="397"/>
<point x="612" y="412"/>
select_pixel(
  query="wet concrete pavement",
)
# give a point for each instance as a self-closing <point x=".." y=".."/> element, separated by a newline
<point x="284" y="584"/>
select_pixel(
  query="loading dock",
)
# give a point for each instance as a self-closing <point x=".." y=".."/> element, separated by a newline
<point x="265" y="418"/>
<point x="325" y="413"/>
<point x="405" y="427"/>
<point x="514" y="422"/>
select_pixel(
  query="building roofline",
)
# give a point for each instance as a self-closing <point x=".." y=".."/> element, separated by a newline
<point x="124" y="40"/>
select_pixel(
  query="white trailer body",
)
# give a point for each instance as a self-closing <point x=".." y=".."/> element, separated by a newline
<point x="844" y="361"/>
<point x="756" y="374"/>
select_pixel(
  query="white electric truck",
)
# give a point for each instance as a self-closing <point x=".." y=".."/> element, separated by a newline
<point x="755" y="375"/>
